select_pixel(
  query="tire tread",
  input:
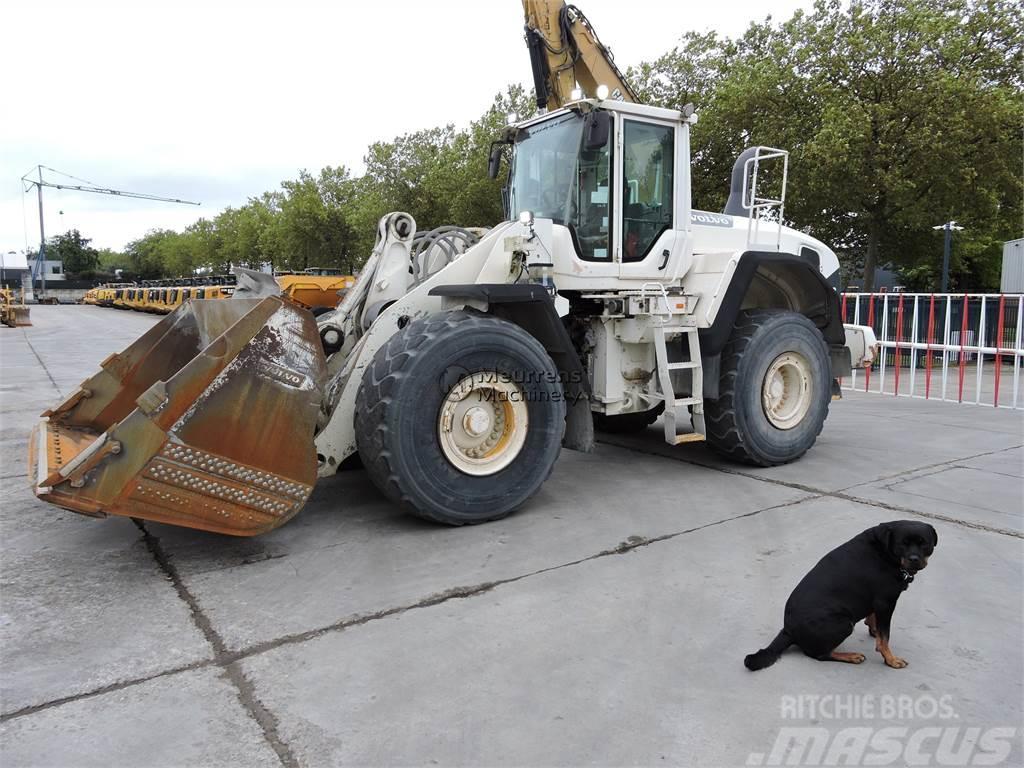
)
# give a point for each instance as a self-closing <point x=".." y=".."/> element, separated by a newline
<point x="376" y="393"/>
<point x="721" y="424"/>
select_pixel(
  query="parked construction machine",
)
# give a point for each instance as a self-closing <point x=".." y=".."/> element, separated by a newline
<point x="456" y="369"/>
<point x="13" y="312"/>
<point x="316" y="288"/>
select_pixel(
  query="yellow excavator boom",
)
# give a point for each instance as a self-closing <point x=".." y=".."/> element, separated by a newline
<point x="564" y="51"/>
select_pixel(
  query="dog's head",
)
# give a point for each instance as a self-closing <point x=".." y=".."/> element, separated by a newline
<point x="908" y="542"/>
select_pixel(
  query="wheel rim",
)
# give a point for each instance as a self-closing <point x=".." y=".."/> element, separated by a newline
<point x="786" y="391"/>
<point x="482" y="423"/>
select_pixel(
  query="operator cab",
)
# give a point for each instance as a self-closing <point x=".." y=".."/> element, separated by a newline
<point x="611" y="181"/>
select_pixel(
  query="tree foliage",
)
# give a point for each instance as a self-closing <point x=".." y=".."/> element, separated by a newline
<point x="329" y="219"/>
<point x="79" y="259"/>
<point x="898" y="114"/>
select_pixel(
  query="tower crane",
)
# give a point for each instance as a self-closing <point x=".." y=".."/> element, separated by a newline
<point x="38" y="271"/>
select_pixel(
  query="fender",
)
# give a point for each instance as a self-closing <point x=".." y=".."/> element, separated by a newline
<point x="820" y="305"/>
<point x="532" y="308"/>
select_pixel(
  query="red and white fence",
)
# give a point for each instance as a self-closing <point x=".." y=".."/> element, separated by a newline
<point x="964" y="348"/>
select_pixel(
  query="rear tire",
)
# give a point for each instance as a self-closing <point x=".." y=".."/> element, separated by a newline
<point x="438" y="425"/>
<point x="774" y="390"/>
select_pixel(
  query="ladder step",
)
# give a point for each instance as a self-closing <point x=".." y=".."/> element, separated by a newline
<point x="683" y="365"/>
<point x="689" y="437"/>
<point x="688" y="401"/>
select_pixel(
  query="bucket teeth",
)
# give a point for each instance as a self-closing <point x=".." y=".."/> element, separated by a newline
<point x="205" y="422"/>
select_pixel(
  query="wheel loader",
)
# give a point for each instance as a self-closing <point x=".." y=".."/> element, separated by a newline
<point x="456" y="368"/>
<point x="13" y="312"/>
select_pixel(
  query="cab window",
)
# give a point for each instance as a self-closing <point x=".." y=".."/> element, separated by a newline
<point x="647" y="158"/>
<point x="555" y="176"/>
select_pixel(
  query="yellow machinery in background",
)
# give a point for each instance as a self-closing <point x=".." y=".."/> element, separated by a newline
<point x="13" y="312"/>
<point x="317" y="288"/>
<point x="104" y="295"/>
<point x="130" y="299"/>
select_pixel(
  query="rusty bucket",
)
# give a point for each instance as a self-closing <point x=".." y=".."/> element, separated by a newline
<point x="20" y="317"/>
<point x="206" y="421"/>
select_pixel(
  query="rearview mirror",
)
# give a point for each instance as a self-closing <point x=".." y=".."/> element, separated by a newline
<point x="494" y="161"/>
<point x="596" y="130"/>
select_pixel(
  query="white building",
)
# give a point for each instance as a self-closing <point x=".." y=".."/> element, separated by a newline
<point x="54" y="270"/>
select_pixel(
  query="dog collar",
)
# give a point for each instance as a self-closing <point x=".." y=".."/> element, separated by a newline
<point x="906" y="575"/>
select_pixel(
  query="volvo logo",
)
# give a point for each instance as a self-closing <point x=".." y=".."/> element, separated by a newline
<point x="710" y="219"/>
<point x="281" y="374"/>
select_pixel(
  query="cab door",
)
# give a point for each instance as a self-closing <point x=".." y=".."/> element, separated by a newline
<point x="649" y="243"/>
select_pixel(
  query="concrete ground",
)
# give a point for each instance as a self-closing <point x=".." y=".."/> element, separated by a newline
<point x="603" y="624"/>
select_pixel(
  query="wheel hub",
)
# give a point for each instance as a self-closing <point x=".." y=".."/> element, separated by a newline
<point x="482" y="423"/>
<point x="786" y="391"/>
<point x="477" y="421"/>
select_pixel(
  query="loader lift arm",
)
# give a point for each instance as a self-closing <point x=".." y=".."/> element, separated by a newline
<point x="564" y="51"/>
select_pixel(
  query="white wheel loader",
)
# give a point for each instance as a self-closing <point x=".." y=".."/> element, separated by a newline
<point x="462" y="361"/>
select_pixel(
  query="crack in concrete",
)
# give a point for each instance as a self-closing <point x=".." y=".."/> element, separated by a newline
<point x="246" y="691"/>
<point x="111" y="688"/>
<point x="930" y="515"/>
<point x="938" y="466"/>
<point x="229" y="661"/>
<point x="459" y="593"/>
<point x="840" y="494"/>
<point x="41" y="363"/>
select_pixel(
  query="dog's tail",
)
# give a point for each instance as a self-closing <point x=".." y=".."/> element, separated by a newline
<point x="768" y="656"/>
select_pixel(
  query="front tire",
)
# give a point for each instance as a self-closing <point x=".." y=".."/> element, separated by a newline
<point x="774" y="390"/>
<point x="460" y="417"/>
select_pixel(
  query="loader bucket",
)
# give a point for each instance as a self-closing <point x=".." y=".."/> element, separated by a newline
<point x="206" y="421"/>
<point x="19" y="316"/>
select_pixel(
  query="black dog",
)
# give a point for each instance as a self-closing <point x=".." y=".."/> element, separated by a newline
<point x="862" y="579"/>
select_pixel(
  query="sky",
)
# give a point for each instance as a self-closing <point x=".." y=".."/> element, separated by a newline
<point x="218" y="101"/>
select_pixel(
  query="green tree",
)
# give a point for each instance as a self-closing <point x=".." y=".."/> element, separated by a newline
<point x="77" y="256"/>
<point x="437" y="175"/>
<point x="111" y="261"/>
<point x="146" y="255"/>
<point x="310" y="224"/>
<point x="898" y="115"/>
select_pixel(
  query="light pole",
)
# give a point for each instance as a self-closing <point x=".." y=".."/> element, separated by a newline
<point x="947" y="247"/>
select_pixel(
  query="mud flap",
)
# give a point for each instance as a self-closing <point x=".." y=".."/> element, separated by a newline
<point x="206" y="421"/>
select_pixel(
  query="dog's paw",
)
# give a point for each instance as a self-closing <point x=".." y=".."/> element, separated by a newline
<point x="896" y="662"/>
<point x="857" y="658"/>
